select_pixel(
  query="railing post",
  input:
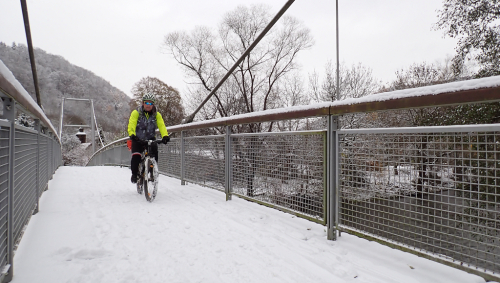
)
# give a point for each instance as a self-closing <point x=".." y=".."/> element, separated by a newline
<point x="228" y="163"/>
<point x="53" y="142"/>
<point x="47" y="157"/>
<point x="332" y="200"/>
<point x="9" y="112"/>
<point x="50" y="155"/>
<point x="37" y="186"/>
<point x="117" y="153"/>
<point x="61" y="118"/>
<point x="92" y="122"/>
<point x="183" y="161"/>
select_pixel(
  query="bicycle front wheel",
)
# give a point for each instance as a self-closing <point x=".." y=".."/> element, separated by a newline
<point x="150" y="179"/>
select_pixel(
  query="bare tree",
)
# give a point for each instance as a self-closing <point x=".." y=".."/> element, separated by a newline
<point x="258" y="81"/>
<point x="422" y="74"/>
<point x="314" y="90"/>
<point x="355" y="81"/>
<point x="292" y="94"/>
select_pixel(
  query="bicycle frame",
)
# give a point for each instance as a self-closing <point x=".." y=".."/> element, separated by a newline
<point x="145" y="153"/>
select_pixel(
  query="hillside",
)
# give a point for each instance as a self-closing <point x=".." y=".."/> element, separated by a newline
<point x="59" y="78"/>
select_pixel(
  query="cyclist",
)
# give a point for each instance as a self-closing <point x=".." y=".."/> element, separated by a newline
<point x="142" y="126"/>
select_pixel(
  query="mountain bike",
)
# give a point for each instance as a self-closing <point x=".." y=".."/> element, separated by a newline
<point x="147" y="180"/>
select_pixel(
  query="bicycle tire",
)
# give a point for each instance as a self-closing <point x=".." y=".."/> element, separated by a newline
<point x="150" y="179"/>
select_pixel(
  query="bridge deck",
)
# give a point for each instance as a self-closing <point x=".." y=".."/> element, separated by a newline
<point x="94" y="227"/>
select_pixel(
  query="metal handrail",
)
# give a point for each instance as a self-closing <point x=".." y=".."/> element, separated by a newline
<point x="428" y="129"/>
<point x="107" y="146"/>
<point x="455" y="93"/>
<point x="10" y="87"/>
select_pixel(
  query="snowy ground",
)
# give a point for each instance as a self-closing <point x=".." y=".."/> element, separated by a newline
<point x="94" y="227"/>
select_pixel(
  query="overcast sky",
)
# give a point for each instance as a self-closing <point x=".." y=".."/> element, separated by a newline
<point x="120" y="40"/>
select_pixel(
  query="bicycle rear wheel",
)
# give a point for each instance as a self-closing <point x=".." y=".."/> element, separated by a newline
<point x="150" y="179"/>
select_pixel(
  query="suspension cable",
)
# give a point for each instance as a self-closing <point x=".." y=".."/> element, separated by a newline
<point x="24" y="7"/>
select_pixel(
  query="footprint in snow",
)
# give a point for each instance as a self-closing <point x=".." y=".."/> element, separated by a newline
<point x="87" y="254"/>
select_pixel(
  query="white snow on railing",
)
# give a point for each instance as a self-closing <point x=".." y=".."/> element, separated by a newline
<point x="473" y="84"/>
<point x="25" y="97"/>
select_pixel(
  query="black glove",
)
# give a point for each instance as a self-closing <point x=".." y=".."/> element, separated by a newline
<point x="134" y="138"/>
<point x="165" y="139"/>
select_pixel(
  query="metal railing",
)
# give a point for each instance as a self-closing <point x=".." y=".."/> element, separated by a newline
<point x="435" y="189"/>
<point x="432" y="191"/>
<point x="28" y="159"/>
<point x="284" y="169"/>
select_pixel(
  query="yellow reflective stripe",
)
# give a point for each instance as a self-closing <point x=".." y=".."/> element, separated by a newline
<point x="132" y="122"/>
<point x="161" y="125"/>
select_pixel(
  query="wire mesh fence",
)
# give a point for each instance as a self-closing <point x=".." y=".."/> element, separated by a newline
<point x="28" y="159"/>
<point x="4" y="192"/>
<point x="281" y="169"/>
<point x="51" y="158"/>
<point x="44" y="157"/>
<point x="169" y="159"/>
<point x="25" y="191"/>
<point x="116" y="153"/>
<point x="432" y="191"/>
<point x="204" y="156"/>
<point x="284" y="170"/>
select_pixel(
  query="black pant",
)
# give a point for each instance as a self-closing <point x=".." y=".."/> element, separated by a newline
<point x="137" y="149"/>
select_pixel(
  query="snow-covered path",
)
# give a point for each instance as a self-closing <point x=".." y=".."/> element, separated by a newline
<point x="94" y="227"/>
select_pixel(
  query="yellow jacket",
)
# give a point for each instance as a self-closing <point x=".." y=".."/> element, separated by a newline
<point x="143" y="126"/>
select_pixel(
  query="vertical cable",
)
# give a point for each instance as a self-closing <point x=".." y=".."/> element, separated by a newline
<point x="337" y="26"/>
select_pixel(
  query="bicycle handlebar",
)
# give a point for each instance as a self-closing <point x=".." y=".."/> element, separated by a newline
<point x="150" y="141"/>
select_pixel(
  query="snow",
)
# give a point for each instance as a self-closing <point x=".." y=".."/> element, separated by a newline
<point x="93" y="227"/>
<point x="489" y="82"/>
<point x="24" y="95"/>
<point x="5" y="269"/>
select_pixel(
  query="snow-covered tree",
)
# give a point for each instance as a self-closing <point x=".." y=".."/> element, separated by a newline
<point x="25" y="121"/>
<point x="168" y="100"/>
<point x="423" y="74"/>
<point x="476" y="23"/>
<point x="74" y="152"/>
<point x="57" y="78"/>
